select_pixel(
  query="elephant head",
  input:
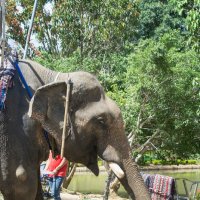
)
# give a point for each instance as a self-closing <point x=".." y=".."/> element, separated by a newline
<point x="96" y="128"/>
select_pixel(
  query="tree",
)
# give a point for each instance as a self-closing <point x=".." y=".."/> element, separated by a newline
<point x="161" y="94"/>
<point x="14" y="20"/>
<point x="189" y="10"/>
<point x="91" y="27"/>
<point x="156" y="18"/>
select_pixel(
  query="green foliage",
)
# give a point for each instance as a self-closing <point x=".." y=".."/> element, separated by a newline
<point x="156" y="18"/>
<point x="161" y="92"/>
<point x="174" y="162"/>
<point x="156" y="162"/>
<point x="69" y="64"/>
<point x="14" y="20"/>
<point x="142" y="161"/>
<point x="189" y="10"/>
<point x="192" y="162"/>
<point x="195" y="156"/>
<point x="100" y="162"/>
<point x="93" y="28"/>
<point x="198" y="196"/>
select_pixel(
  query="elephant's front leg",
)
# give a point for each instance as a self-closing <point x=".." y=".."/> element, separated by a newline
<point x="22" y="191"/>
<point x="39" y="195"/>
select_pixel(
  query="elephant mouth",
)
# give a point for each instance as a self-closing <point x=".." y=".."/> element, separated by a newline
<point x="92" y="163"/>
<point x="114" y="167"/>
<point x="94" y="168"/>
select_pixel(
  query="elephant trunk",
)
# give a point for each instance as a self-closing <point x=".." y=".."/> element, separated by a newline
<point x="133" y="181"/>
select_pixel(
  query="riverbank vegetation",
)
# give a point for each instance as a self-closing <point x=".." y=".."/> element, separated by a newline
<point x="145" y="54"/>
<point x="146" y="160"/>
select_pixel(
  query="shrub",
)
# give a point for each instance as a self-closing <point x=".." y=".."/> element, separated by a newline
<point x="192" y="162"/>
<point x="148" y="162"/>
<point x="156" y="162"/>
<point x="100" y="162"/>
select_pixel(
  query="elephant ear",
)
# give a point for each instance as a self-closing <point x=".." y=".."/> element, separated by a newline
<point x="47" y="106"/>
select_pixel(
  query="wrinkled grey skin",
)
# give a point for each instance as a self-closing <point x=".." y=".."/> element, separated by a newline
<point x="96" y="123"/>
<point x="22" y="146"/>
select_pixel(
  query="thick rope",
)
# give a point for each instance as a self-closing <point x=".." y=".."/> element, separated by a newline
<point x="56" y="78"/>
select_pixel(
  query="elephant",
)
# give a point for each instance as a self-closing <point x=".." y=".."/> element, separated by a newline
<point x="95" y="129"/>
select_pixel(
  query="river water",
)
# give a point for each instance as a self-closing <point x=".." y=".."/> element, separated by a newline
<point x="88" y="183"/>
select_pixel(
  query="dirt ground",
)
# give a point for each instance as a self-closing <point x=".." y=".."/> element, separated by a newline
<point x="78" y="196"/>
<point x="65" y="196"/>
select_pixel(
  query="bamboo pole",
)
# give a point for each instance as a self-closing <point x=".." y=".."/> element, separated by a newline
<point x="0" y="20"/>
<point x="66" y="120"/>
<point x="3" y="31"/>
<point x="30" y="29"/>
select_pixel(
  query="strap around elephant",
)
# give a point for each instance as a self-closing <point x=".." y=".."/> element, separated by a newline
<point x="56" y="78"/>
<point x="15" y="64"/>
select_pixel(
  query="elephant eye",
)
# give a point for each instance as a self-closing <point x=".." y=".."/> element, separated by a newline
<point x="101" y="120"/>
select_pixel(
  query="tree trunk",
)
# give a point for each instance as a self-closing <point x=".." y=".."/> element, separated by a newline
<point x="114" y="186"/>
<point x="70" y="176"/>
<point x="107" y="190"/>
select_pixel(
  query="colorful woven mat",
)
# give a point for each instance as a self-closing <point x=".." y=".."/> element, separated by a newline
<point x="160" y="187"/>
<point x="6" y="76"/>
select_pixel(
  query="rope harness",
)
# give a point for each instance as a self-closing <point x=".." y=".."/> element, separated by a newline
<point x="56" y="76"/>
